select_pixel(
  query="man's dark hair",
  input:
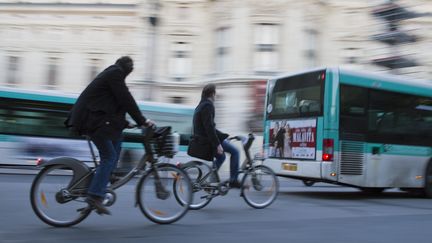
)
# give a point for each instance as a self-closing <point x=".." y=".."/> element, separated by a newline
<point x="208" y="91"/>
<point x="126" y="63"/>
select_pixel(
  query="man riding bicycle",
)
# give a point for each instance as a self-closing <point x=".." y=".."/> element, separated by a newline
<point x="100" y="112"/>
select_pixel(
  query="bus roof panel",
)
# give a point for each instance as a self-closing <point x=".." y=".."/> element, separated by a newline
<point x="47" y="96"/>
<point x="394" y="83"/>
<point x="69" y="98"/>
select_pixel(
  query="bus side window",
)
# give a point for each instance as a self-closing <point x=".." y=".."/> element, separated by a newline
<point x="353" y="102"/>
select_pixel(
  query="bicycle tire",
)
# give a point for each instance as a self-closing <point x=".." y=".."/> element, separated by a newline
<point x="46" y="197"/>
<point x="158" y="209"/>
<point x="201" y="197"/>
<point x="259" y="187"/>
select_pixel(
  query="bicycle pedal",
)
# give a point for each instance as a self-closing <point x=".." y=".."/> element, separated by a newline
<point x="101" y="211"/>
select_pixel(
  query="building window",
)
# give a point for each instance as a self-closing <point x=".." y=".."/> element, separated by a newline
<point x="350" y="57"/>
<point x="52" y="76"/>
<point x="177" y="100"/>
<point x="266" y="41"/>
<point x="180" y="61"/>
<point x="311" y="47"/>
<point x="222" y="49"/>
<point x="183" y="12"/>
<point x="13" y="68"/>
<point x="95" y="66"/>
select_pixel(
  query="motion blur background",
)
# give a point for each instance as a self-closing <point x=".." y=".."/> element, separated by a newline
<point x="179" y="45"/>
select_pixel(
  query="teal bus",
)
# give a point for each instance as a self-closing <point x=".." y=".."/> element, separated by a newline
<point x="31" y="127"/>
<point x="351" y="128"/>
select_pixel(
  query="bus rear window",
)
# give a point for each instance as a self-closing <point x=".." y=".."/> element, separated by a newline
<point x="296" y="96"/>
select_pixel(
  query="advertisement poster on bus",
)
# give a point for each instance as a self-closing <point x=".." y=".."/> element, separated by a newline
<point x="292" y="139"/>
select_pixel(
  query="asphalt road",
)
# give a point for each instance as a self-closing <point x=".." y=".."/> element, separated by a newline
<point x="322" y="213"/>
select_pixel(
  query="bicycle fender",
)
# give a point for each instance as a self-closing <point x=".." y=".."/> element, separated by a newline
<point x="80" y="169"/>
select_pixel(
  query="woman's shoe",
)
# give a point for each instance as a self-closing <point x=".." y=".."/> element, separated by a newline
<point x="234" y="184"/>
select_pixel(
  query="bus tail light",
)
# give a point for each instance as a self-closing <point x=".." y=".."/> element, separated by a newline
<point x="39" y="161"/>
<point x="328" y="149"/>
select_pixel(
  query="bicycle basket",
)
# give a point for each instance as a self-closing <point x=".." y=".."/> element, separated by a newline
<point x="163" y="143"/>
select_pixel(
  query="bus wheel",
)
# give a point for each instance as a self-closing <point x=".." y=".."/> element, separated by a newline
<point x="308" y="182"/>
<point x="372" y="190"/>
<point x="428" y="181"/>
<point x="416" y="192"/>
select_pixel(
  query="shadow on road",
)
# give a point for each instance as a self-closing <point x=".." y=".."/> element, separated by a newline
<point x="357" y="195"/>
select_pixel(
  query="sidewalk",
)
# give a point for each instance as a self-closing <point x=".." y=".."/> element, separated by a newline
<point x="33" y="170"/>
<point x="19" y="170"/>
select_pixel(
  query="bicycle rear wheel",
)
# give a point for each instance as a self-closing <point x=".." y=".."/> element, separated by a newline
<point x="52" y="202"/>
<point x="156" y="198"/>
<point x="260" y="187"/>
<point x="202" y="190"/>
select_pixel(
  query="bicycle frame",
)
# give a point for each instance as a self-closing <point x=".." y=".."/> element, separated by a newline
<point x="83" y="173"/>
<point x="246" y="165"/>
<point x="154" y="187"/>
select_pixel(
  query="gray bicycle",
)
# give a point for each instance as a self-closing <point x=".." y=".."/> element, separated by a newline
<point x="259" y="185"/>
<point x="59" y="190"/>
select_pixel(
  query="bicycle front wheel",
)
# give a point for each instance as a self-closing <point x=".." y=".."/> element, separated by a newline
<point x="260" y="187"/>
<point x="155" y="194"/>
<point x="51" y="200"/>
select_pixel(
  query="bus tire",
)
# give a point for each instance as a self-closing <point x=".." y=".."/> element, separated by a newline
<point x="428" y="181"/>
<point x="308" y="182"/>
<point x="372" y="190"/>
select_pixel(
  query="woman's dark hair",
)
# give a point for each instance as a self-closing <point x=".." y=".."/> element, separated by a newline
<point x="208" y="91"/>
<point x="126" y="63"/>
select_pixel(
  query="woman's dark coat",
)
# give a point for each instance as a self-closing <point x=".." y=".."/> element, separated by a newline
<point x="204" y="127"/>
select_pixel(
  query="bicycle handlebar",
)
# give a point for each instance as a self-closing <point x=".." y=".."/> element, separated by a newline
<point x="243" y="139"/>
<point x="246" y="142"/>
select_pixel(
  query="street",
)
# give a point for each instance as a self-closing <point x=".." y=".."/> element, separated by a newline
<point x="321" y="213"/>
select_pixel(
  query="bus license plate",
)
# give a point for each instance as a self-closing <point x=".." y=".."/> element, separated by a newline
<point x="289" y="166"/>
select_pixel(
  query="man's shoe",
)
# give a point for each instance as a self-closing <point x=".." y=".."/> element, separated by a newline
<point x="96" y="203"/>
<point x="234" y="184"/>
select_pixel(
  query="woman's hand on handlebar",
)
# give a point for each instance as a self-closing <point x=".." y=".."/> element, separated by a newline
<point x="220" y="150"/>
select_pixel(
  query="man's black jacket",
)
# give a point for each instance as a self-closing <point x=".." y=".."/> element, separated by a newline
<point x="103" y="105"/>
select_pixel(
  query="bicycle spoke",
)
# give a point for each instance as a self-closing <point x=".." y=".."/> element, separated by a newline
<point x="50" y="201"/>
<point x="165" y="208"/>
<point x="200" y="175"/>
<point x="260" y="187"/>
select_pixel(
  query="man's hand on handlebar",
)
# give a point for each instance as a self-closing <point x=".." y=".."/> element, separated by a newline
<point x="131" y="125"/>
<point x="148" y="123"/>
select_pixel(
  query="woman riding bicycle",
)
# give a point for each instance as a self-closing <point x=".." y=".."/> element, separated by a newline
<point x="207" y="136"/>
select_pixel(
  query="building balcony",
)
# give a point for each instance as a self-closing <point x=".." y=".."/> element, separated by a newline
<point x="395" y="38"/>
<point x="395" y="62"/>
<point x="393" y="12"/>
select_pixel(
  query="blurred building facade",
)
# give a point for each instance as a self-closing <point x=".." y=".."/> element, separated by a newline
<point x="179" y="45"/>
